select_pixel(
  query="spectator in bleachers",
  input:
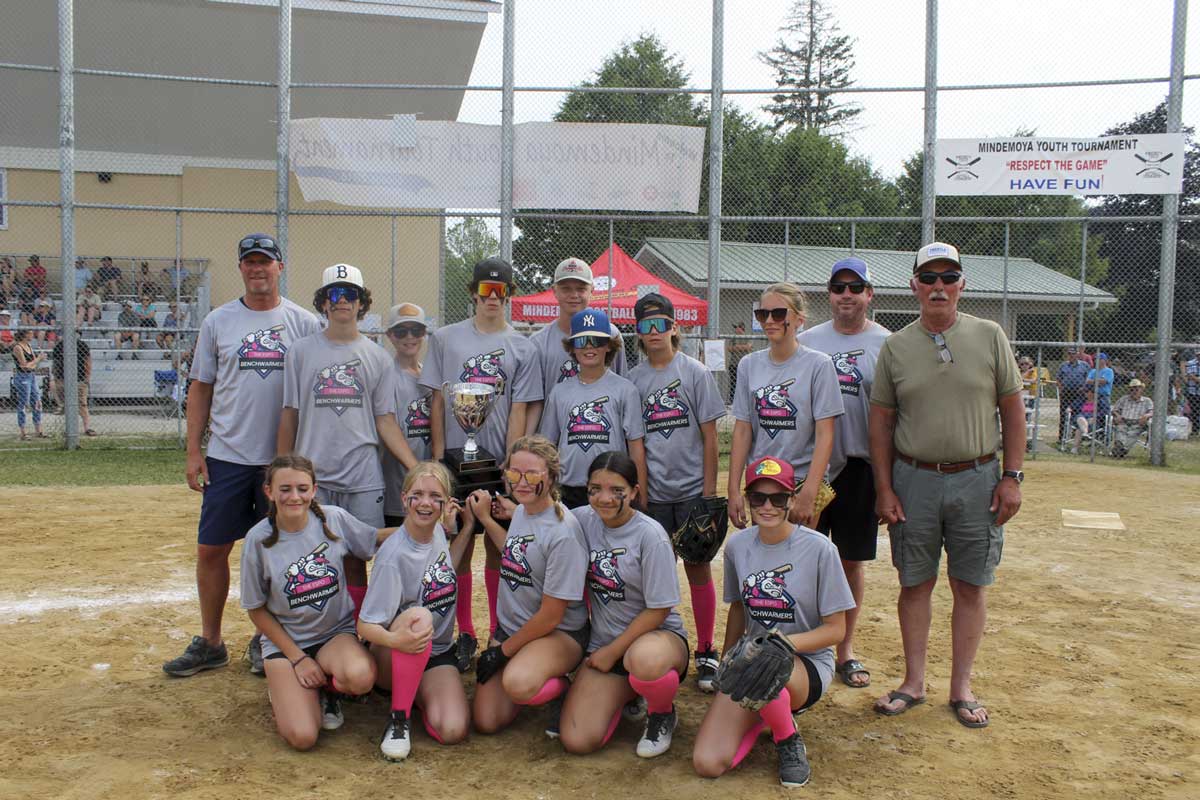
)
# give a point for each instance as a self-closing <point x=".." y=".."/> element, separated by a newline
<point x="146" y="312"/>
<point x="1101" y="378"/>
<point x="166" y="338"/>
<point x="1131" y="415"/>
<point x="174" y="281"/>
<point x="1084" y="421"/>
<point x="8" y="290"/>
<point x="6" y="334"/>
<point x="35" y="274"/>
<point x="87" y="306"/>
<point x="7" y="270"/>
<point x="83" y="275"/>
<point x="25" y="382"/>
<point x="83" y="374"/>
<point x="44" y="317"/>
<point x="128" y="322"/>
<point x="143" y="283"/>
<point x="27" y="299"/>
<point x="109" y="277"/>
<point x="1072" y="376"/>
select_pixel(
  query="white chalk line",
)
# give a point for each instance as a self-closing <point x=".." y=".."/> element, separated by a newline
<point x="32" y="605"/>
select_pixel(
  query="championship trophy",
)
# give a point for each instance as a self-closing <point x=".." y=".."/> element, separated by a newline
<point x="473" y="466"/>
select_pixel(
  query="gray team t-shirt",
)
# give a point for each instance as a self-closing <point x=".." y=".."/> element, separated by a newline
<point x="241" y="352"/>
<point x="459" y="353"/>
<point x="407" y="573"/>
<point x="300" y="579"/>
<point x="542" y="555"/>
<point x="339" y="389"/>
<point x="676" y="401"/>
<point x="787" y="587"/>
<point x="585" y="420"/>
<point x="412" y="413"/>
<point x="557" y="364"/>
<point x="783" y="401"/>
<point x="630" y="569"/>
<point x="853" y="359"/>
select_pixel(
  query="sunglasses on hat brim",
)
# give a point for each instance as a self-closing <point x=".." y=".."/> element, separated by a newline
<point x="654" y="325"/>
<point x="258" y="243"/>
<point x="947" y="278"/>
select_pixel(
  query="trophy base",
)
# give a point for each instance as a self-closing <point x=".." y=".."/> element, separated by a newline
<point x="480" y="473"/>
<point x="458" y="463"/>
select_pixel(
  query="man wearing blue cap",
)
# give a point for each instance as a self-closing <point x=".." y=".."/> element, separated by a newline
<point x="1100" y="378"/>
<point x="853" y="342"/>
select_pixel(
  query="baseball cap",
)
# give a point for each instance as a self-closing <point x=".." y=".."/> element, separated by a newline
<point x="1136" y="382"/>
<point x="493" y="269"/>
<point x="936" y="251"/>
<point x="406" y="312"/>
<point x="590" y="322"/>
<point x="770" y="468"/>
<point x="259" y="243"/>
<point x="855" y="265"/>
<point x="43" y="302"/>
<point x="1102" y="355"/>
<point x="342" y="273"/>
<point x="4" y="312"/>
<point x="653" y="305"/>
<point x="573" y="269"/>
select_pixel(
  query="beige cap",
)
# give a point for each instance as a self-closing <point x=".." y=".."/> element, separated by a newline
<point x="1136" y="382"/>
<point x="406" y="312"/>
<point x="573" y="269"/>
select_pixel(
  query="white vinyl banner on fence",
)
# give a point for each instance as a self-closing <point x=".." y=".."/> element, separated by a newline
<point x="563" y="165"/>
<point x="1141" y="164"/>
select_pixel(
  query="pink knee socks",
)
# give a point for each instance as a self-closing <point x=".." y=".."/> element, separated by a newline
<point x="659" y="693"/>
<point x="491" y="581"/>
<point x="407" y="669"/>
<point x="462" y="604"/>
<point x="778" y="716"/>
<point x="550" y="690"/>
<point x="704" y="608"/>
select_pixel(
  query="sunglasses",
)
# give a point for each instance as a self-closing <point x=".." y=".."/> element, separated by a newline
<point x="777" y="499"/>
<point x="531" y="476"/>
<point x="944" y="354"/>
<point x="492" y="289"/>
<point x="405" y="331"/>
<point x="655" y="325"/>
<point x="336" y="294"/>
<point x="855" y="287"/>
<point x="930" y="278"/>
<point x="251" y="242"/>
<point x="776" y="314"/>
<point x="586" y="342"/>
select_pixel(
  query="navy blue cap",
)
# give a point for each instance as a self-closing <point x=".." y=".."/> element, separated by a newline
<point x="855" y="265"/>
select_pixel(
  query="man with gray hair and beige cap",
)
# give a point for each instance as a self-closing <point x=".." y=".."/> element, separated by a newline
<point x="1131" y="414"/>
<point x="573" y="290"/>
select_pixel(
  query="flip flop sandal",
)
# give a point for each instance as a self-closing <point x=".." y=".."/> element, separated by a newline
<point x="968" y="705"/>
<point x="852" y="667"/>
<point x="908" y="700"/>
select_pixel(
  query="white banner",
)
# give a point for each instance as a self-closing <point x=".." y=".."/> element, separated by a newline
<point x="1141" y="164"/>
<point x="397" y="163"/>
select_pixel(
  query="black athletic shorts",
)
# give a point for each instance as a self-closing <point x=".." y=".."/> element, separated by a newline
<point x="814" y="685"/>
<point x="581" y="636"/>
<point x="446" y="659"/>
<point x="619" y="667"/>
<point x="573" y="496"/>
<point x="850" y="519"/>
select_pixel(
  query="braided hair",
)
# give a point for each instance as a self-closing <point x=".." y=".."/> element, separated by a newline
<point x="544" y="449"/>
<point x="301" y="464"/>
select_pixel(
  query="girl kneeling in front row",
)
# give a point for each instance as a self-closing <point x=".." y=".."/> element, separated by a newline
<point x="783" y="577"/>
<point x="294" y="588"/>
<point x="542" y="620"/>
<point x="638" y="645"/>
<point x="408" y="615"/>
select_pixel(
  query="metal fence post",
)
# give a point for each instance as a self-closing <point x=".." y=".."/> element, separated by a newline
<point x="611" y="239"/>
<point x="1004" y="293"/>
<point x="66" y="184"/>
<point x="176" y="363"/>
<point x="787" y="247"/>
<point x="1082" y="278"/>
<point x="928" y="195"/>
<point x="283" y="116"/>
<point x="853" y="237"/>
<point x="1170" y="230"/>
<point x="506" y="134"/>
<point x="716" y="151"/>
<point x="1037" y="405"/>
<point x="393" y="276"/>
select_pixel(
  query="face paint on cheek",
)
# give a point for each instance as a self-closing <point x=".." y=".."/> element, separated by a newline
<point x="539" y="487"/>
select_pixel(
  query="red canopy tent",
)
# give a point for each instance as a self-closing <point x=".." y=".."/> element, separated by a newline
<point x="627" y="276"/>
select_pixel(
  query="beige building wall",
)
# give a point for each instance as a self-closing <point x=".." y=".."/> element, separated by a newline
<point x="315" y="242"/>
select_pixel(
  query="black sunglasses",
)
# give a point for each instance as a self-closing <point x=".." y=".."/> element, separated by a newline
<point x="405" y="331"/>
<point x="777" y="314"/>
<point x="855" y="287"/>
<point x="251" y="242"/>
<point x="930" y="278"/>
<point x="777" y="499"/>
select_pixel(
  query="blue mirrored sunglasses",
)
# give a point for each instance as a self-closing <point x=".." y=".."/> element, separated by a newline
<point x="336" y="294"/>
<point x="656" y="325"/>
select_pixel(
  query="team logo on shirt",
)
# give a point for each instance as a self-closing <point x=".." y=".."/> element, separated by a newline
<point x="588" y="425"/>
<point x="416" y="419"/>
<point x="664" y="411"/>
<point x="849" y="376"/>
<point x="603" y="576"/>
<point x="514" y="566"/>
<point x="568" y="369"/>
<point x="262" y="351"/>
<point x="439" y="586"/>
<point x="775" y="410"/>
<point x="766" y="598"/>
<point x="486" y="368"/>
<point x="339" y="387"/>
<point x="311" y="580"/>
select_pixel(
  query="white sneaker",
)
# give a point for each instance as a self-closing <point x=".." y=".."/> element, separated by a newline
<point x="331" y="711"/>
<point x="396" y="743"/>
<point x="656" y="739"/>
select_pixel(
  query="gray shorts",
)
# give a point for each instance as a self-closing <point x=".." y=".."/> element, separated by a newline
<point x="364" y="506"/>
<point x="948" y="511"/>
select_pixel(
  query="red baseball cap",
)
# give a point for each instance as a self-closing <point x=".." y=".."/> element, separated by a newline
<point x="769" y="468"/>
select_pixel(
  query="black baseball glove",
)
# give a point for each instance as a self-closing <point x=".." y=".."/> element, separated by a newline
<point x="700" y="536"/>
<point x="490" y="662"/>
<point x="756" y="669"/>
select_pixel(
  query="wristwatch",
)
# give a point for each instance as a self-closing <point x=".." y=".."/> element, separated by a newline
<point x="1016" y="474"/>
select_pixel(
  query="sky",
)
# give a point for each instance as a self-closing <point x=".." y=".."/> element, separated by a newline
<point x="979" y="43"/>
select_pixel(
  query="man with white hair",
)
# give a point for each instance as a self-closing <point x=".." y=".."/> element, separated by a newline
<point x="1132" y="415"/>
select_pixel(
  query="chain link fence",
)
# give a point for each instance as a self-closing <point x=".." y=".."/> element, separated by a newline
<point x="148" y="221"/>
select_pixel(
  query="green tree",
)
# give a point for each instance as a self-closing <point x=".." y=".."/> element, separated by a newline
<point x="811" y="54"/>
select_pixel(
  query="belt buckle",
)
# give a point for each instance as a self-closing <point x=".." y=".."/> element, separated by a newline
<point x="938" y="467"/>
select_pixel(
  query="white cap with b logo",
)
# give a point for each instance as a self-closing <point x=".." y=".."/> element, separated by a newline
<point x="342" y="273"/>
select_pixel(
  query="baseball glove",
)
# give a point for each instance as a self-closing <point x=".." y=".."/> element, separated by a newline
<point x="756" y="669"/>
<point x="824" y="497"/>
<point x="700" y="536"/>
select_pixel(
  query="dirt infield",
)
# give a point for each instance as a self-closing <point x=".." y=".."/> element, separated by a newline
<point x="1091" y="669"/>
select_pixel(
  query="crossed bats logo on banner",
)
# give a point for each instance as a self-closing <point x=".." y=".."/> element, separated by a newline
<point x="1153" y="160"/>
<point x="962" y="167"/>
